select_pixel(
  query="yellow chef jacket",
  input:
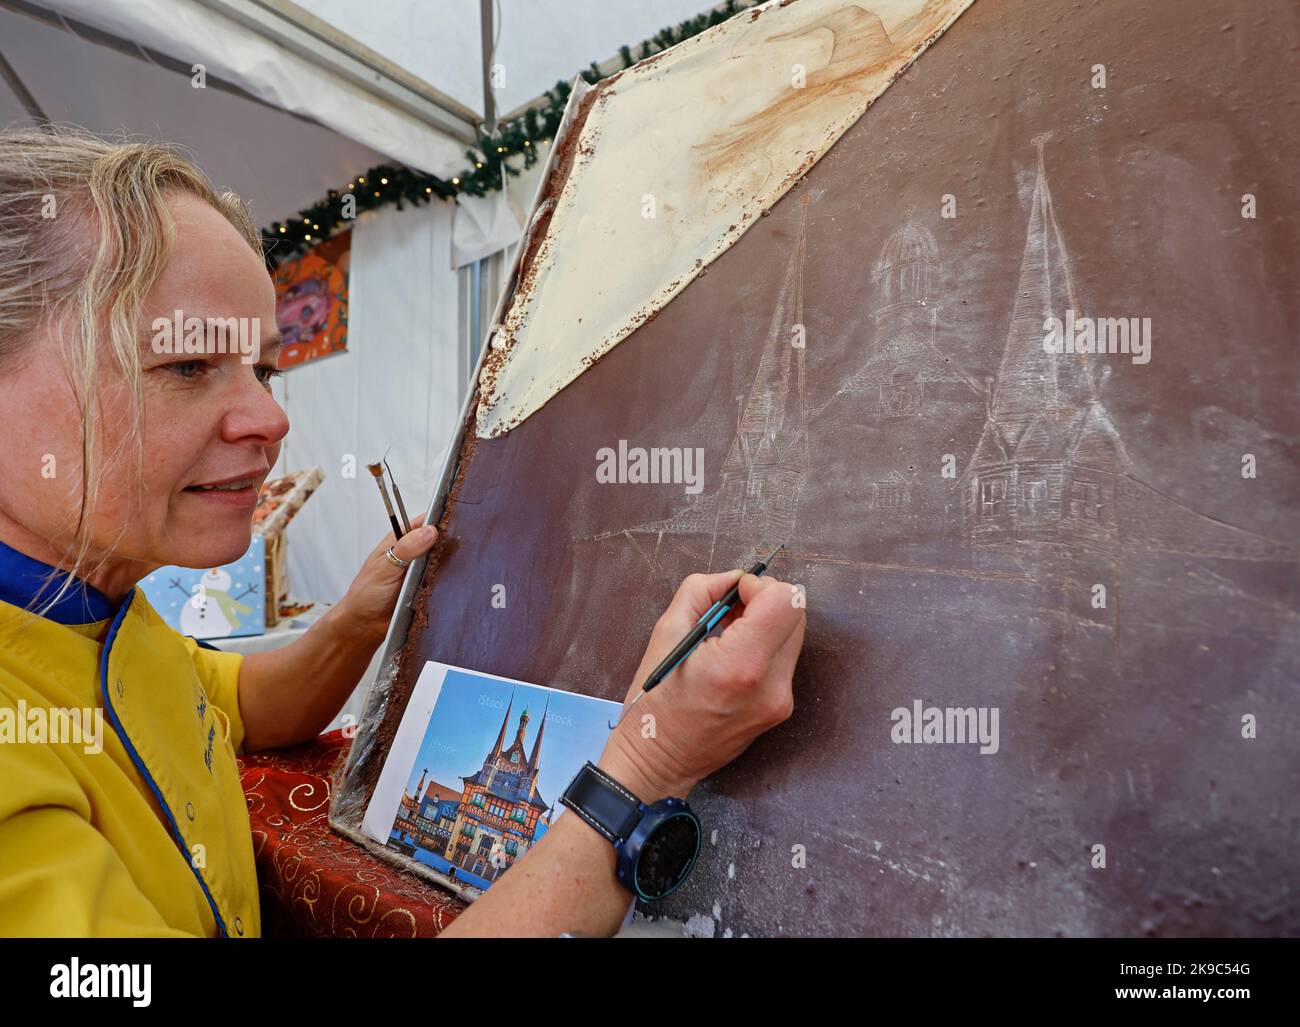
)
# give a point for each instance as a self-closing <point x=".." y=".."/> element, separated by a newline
<point x="148" y="836"/>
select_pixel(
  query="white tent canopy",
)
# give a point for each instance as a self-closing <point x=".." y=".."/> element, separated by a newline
<point x="405" y="79"/>
<point x="277" y="163"/>
<point x="194" y="33"/>
<point x="537" y="41"/>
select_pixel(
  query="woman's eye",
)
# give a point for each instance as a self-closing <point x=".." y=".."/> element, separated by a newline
<point x="187" y="369"/>
<point x="193" y="370"/>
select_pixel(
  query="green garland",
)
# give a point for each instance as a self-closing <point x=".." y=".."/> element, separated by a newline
<point x="388" y="184"/>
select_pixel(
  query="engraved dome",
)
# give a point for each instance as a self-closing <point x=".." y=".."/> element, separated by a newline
<point x="908" y="266"/>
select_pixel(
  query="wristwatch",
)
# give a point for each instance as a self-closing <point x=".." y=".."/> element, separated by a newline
<point x="657" y="845"/>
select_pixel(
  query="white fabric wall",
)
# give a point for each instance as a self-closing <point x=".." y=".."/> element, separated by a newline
<point x="397" y="385"/>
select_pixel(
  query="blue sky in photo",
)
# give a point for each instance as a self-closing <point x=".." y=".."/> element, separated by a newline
<point x="468" y="716"/>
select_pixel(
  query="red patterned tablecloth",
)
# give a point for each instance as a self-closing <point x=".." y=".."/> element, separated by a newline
<point x="314" y="882"/>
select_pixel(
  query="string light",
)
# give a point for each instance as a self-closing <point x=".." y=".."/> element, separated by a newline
<point x="541" y="120"/>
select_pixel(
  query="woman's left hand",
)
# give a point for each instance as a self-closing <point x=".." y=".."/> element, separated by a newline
<point x="288" y="695"/>
<point x="373" y="593"/>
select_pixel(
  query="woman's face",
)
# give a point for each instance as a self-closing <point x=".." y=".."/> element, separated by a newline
<point x="209" y="418"/>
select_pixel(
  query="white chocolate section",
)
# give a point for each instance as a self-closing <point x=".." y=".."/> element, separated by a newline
<point x="705" y="138"/>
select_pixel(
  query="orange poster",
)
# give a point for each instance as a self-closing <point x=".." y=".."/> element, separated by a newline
<point x="311" y="301"/>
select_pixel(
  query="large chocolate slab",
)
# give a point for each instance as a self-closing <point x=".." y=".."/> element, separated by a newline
<point x="1120" y="725"/>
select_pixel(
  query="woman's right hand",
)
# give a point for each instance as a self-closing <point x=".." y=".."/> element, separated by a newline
<point x="730" y="690"/>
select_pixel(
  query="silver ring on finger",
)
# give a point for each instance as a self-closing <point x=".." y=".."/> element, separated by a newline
<point x="396" y="560"/>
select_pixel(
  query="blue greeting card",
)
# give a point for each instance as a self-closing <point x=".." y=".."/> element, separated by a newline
<point x="213" y="602"/>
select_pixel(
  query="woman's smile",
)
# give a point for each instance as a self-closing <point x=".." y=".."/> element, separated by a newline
<point x="240" y="492"/>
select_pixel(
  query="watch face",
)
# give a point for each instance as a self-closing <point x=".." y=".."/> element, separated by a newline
<point x="667" y="856"/>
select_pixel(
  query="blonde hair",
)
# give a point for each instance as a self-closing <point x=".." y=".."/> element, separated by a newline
<point x="84" y="234"/>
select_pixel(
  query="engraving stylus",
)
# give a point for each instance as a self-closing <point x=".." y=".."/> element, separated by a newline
<point x="707" y="622"/>
<point x="703" y="626"/>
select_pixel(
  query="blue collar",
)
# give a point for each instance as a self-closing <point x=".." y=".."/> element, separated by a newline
<point x="26" y="583"/>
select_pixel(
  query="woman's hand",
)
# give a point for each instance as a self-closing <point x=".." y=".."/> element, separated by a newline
<point x="730" y="690"/>
<point x="368" y="604"/>
<point x="702" y="716"/>
<point x="288" y="695"/>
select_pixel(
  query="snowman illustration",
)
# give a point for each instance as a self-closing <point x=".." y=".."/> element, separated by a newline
<point x="211" y="611"/>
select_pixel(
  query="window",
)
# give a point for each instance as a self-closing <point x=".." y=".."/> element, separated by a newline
<point x="514" y="757"/>
<point x="993" y="496"/>
<point x="901" y="394"/>
<point x="478" y="287"/>
<point x="1034" y="494"/>
<point x="1085" y="500"/>
<point x="889" y="495"/>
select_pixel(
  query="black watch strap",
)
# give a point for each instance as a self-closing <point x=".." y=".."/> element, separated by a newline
<point x="603" y="803"/>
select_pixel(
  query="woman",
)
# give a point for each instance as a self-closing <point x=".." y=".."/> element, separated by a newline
<point x="123" y="453"/>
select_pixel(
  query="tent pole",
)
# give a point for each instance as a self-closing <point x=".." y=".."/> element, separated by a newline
<point x="489" y="51"/>
<point x="20" y="90"/>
